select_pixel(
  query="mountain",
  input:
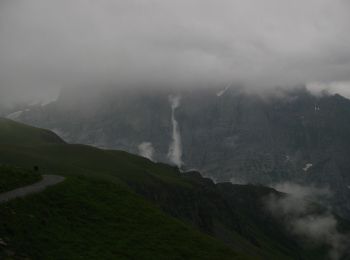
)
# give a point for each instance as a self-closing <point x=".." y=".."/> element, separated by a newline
<point x="113" y="204"/>
<point x="20" y="134"/>
<point x="228" y="134"/>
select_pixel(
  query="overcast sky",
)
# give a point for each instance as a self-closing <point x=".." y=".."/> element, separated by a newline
<point x="49" y="44"/>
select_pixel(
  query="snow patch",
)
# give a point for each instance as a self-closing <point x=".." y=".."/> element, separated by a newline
<point x="307" y="167"/>
<point x="14" y="115"/>
<point x="221" y="92"/>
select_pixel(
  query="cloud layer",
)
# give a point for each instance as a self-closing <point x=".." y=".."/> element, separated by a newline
<point x="146" y="150"/>
<point x="46" y="45"/>
<point x="304" y="218"/>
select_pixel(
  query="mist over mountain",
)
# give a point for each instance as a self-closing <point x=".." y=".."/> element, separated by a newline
<point x="192" y="129"/>
<point x="227" y="134"/>
<point x="112" y="200"/>
<point x="49" y="45"/>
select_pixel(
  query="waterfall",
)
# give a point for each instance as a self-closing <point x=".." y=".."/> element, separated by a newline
<point x="175" y="149"/>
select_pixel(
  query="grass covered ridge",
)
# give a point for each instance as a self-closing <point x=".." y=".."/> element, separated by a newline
<point x="14" y="177"/>
<point x="93" y="219"/>
<point x="115" y="205"/>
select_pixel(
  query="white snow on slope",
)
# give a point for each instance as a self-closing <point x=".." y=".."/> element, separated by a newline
<point x="221" y="92"/>
<point x="307" y="166"/>
<point x="14" y="115"/>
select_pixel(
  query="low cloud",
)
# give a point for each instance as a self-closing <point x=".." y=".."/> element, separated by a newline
<point x="47" y="45"/>
<point x="336" y="87"/>
<point x="303" y="216"/>
<point x="146" y="150"/>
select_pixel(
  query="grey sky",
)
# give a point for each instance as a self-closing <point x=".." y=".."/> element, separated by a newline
<point x="49" y="44"/>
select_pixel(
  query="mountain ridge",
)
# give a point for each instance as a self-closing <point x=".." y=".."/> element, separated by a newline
<point x="195" y="202"/>
<point x="284" y="136"/>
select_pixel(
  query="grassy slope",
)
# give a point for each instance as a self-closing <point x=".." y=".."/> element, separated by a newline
<point x="95" y="216"/>
<point x="89" y="209"/>
<point x="14" y="177"/>
<point x="98" y="165"/>
<point x="116" y="166"/>
<point x="82" y="220"/>
<point x="16" y="133"/>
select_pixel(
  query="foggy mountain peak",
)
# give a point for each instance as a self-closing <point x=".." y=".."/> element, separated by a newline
<point x="47" y="45"/>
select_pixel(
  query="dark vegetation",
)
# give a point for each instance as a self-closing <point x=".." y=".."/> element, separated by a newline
<point x="79" y="219"/>
<point x="238" y="136"/>
<point x="114" y="205"/>
<point x="14" y="177"/>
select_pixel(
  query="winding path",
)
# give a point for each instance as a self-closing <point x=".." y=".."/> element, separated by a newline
<point x="48" y="180"/>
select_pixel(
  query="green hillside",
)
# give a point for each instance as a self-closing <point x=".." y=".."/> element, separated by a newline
<point x="80" y="219"/>
<point x="13" y="177"/>
<point x="15" y="133"/>
<point x="114" y="205"/>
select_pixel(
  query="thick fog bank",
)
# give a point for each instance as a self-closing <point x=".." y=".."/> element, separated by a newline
<point x="47" y="45"/>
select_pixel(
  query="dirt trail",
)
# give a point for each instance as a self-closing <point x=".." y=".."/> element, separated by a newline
<point x="48" y="180"/>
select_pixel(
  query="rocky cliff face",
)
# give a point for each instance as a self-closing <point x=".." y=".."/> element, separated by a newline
<point x="228" y="135"/>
